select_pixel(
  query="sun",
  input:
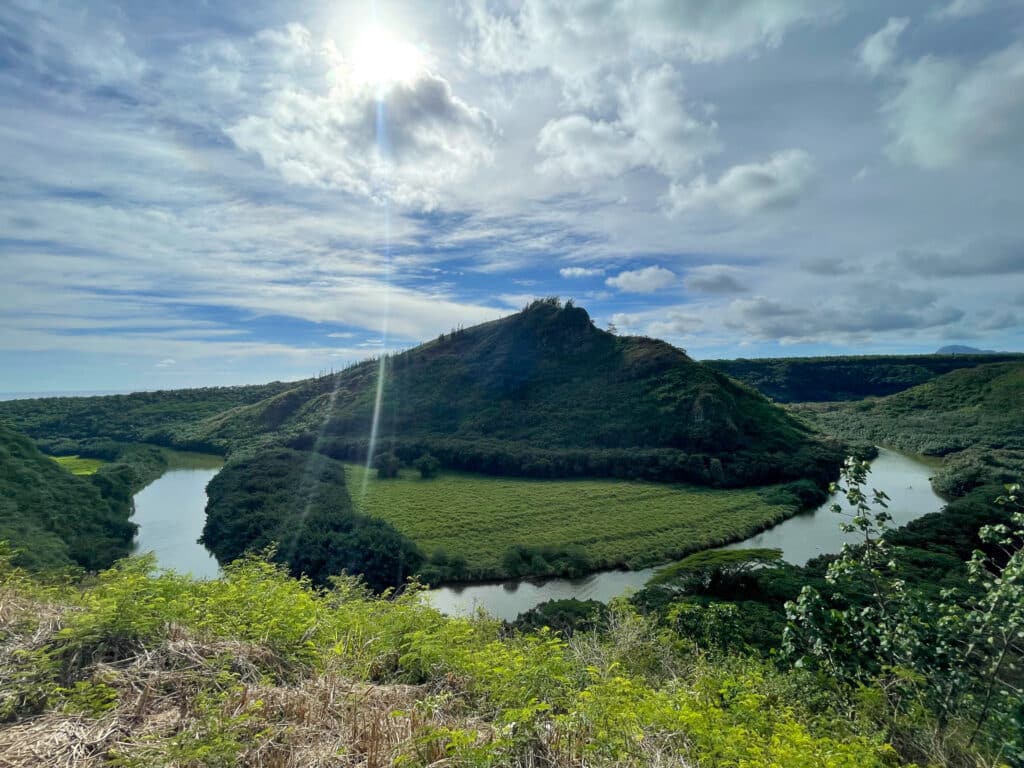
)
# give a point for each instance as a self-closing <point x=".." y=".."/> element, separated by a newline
<point x="379" y="58"/>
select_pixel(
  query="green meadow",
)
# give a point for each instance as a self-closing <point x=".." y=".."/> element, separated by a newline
<point x="77" y="465"/>
<point x="616" y="522"/>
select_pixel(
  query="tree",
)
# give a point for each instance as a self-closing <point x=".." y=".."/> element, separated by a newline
<point x="958" y="658"/>
<point x="427" y="465"/>
<point x="387" y="465"/>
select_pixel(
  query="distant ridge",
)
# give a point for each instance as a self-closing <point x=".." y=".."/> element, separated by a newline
<point x="851" y="377"/>
<point x="962" y="349"/>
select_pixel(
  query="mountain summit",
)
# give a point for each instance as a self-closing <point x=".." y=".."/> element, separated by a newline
<point x="543" y="392"/>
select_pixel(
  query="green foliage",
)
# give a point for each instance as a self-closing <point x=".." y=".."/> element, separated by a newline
<point x="479" y="518"/>
<point x="564" y="616"/>
<point x="299" y="502"/>
<point x="542" y="393"/>
<point x="387" y="465"/>
<point x="569" y="561"/>
<point x="625" y="695"/>
<point x="702" y="570"/>
<point x="92" y="698"/>
<point x="165" y="418"/>
<point x="57" y="519"/>
<point x="804" y="494"/>
<point x="821" y="379"/>
<point x="955" y="660"/>
<point x="972" y="417"/>
<point x="427" y="465"/>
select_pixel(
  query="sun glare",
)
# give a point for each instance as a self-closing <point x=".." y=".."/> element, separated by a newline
<point x="380" y="58"/>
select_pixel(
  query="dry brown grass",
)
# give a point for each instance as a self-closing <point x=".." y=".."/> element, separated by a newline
<point x="316" y="721"/>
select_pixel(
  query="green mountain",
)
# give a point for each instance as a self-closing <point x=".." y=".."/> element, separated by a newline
<point x="540" y="393"/>
<point x="821" y="379"/>
<point x="973" y="417"/>
<point x="53" y="517"/>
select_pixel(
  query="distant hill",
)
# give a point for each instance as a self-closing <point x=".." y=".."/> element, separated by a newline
<point x="974" y="417"/>
<point x="542" y="393"/>
<point x="161" y="417"/>
<point x="56" y="518"/>
<point x="828" y="379"/>
<point x="961" y="349"/>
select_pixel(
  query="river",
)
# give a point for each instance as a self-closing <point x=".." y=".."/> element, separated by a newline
<point x="171" y="512"/>
<point x="815" y="532"/>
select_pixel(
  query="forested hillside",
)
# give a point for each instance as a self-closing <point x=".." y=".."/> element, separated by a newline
<point x="821" y="379"/>
<point x="56" y="519"/>
<point x="543" y="393"/>
<point x="298" y="502"/>
<point x="161" y="418"/>
<point x="973" y="417"/>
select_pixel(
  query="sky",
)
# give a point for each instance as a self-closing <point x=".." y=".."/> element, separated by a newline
<point x="207" y="192"/>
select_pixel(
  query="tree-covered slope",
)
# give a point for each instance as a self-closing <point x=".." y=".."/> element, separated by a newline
<point x="57" y="519"/>
<point x="544" y="393"/>
<point x="821" y="379"/>
<point x="974" y="417"/>
<point x="298" y="502"/>
<point x="162" y="418"/>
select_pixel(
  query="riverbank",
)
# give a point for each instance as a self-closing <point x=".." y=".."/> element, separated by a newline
<point x="800" y="537"/>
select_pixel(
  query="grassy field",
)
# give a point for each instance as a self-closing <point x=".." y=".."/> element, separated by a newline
<point x="617" y="522"/>
<point x="76" y="465"/>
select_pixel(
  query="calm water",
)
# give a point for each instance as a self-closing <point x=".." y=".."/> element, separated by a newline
<point x="904" y="478"/>
<point x="171" y="511"/>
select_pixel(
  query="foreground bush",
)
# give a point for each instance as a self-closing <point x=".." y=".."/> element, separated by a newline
<point x="144" y="668"/>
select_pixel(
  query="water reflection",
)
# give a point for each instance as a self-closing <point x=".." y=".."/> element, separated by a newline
<point x="171" y="512"/>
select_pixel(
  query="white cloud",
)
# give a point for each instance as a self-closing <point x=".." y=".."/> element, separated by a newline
<point x="576" y="39"/>
<point x="777" y="183"/>
<point x="407" y="140"/>
<point x="578" y="272"/>
<point x="167" y="362"/>
<point x="945" y="112"/>
<point x="878" y="51"/>
<point x="673" y="323"/>
<point x="646" y="280"/>
<point x="653" y="129"/>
